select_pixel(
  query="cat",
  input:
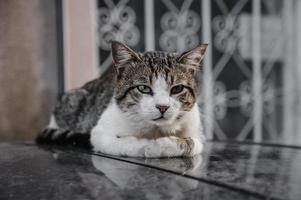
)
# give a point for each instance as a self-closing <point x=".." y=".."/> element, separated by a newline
<point x="144" y="106"/>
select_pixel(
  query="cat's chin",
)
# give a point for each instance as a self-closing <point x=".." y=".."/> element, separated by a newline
<point x="161" y="121"/>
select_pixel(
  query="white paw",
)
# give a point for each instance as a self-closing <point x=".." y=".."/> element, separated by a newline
<point x="163" y="147"/>
<point x="151" y="152"/>
<point x="197" y="147"/>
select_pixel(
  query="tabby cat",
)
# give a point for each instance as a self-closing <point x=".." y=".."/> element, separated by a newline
<point x="145" y="107"/>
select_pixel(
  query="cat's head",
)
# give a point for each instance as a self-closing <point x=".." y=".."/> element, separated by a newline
<point x="157" y="87"/>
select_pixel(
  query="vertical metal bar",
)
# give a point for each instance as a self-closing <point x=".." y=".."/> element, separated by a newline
<point x="66" y="45"/>
<point x="60" y="46"/>
<point x="149" y="25"/>
<point x="208" y="77"/>
<point x="298" y="66"/>
<point x="257" y="76"/>
<point x="288" y="80"/>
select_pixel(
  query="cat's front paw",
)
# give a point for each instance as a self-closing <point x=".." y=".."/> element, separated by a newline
<point x="197" y="147"/>
<point x="163" y="147"/>
<point x="189" y="146"/>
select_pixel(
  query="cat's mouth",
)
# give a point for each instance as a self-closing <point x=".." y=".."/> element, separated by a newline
<point x="161" y="118"/>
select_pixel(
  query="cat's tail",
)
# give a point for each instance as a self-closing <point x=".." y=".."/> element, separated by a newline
<point x="63" y="137"/>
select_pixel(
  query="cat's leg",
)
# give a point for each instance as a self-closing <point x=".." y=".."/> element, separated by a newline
<point x="53" y="134"/>
<point x="63" y="137"/>
<point x="167" y="147"/>
<point x="193" y="132"/>
<point x="137" y="147"/>
<point x="189" y="146"/>
<point x="172" y="146"/>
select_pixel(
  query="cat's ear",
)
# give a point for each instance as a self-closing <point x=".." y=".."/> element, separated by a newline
<point x="194" y="56"/>
<point x="122" y="53"/>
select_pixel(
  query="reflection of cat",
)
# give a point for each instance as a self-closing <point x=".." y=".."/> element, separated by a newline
<point x="152" y="111"/>
<point x="191" y="165"/>
<point x="145" y="180"/>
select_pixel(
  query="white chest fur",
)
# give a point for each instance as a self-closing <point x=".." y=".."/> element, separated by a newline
<point x="119" y="134"/>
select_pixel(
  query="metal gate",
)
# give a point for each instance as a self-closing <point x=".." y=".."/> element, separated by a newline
<point x="251" y="77"/>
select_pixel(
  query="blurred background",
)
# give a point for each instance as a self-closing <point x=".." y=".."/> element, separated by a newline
<point x="250" y="80"/>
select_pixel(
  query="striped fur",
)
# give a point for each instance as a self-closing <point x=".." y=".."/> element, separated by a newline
<point x="79" y="111"/>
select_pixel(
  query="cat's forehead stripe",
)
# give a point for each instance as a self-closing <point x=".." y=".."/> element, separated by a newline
<point x="159" y="59"/>
<point x="161" y="64"/>
<point x="158" y="54"/>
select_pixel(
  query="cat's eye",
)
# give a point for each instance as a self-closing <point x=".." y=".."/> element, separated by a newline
<point x="177" y="89"/>
<point x="144" y="89"/>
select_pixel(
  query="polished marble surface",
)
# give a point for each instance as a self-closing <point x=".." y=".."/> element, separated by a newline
<point x="31" y="172"/>
<point x="224" y="171"/>
<point x="265" y="170"/>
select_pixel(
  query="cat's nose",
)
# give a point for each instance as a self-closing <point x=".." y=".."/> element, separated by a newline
<point x="162" y="108"/>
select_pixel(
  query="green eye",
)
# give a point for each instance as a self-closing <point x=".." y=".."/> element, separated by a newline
<point x="176" y="89"/>
<point x="144" y="89"/>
